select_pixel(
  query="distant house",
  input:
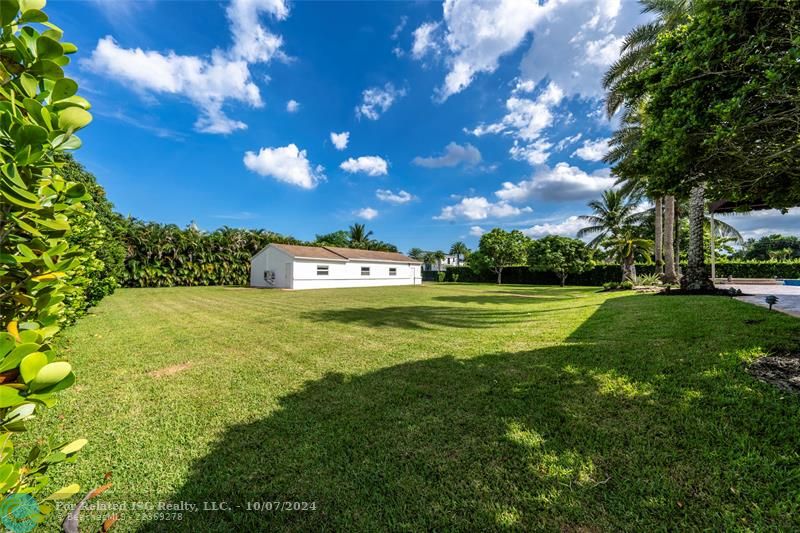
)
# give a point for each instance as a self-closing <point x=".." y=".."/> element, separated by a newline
<point x="288" y="266"/>
<point x="447" y="262"/>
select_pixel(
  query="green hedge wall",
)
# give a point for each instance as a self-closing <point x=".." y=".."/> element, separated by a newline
<point x="600" y="274"/>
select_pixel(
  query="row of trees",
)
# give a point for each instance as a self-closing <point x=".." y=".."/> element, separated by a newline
<point x="499" y="249"/>
<point x="429" y="259"/>
<point x="709" y="97"/>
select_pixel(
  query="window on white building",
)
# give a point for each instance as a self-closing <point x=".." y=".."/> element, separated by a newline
<point x="392" y="271"/>
<point x="365" y="271"/>
<point x="322" y="270"/>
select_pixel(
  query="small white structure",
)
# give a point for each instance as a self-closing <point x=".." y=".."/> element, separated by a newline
<point x="448" y="261"/>
<point x="287" y="266"/>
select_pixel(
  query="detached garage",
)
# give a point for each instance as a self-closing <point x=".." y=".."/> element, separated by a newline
<point x="287" y="266"/>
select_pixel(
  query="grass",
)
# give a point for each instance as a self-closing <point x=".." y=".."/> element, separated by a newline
<point x="445" y="407"/>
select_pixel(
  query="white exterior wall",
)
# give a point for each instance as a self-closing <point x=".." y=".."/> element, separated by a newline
<point x="348" y="274"/>
<point x="274" y="260"/>
<point x="292" y="273"/>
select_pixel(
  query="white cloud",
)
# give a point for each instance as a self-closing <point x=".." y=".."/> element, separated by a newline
<point x="399" y="197"/>
<point x="371" y="165"/>
<point x="526" y="120"/>
<point x="479" y="208"/>
<point x="563" y="182"/>
<point x="340" y="140"/>
<point x="567" y="141"/>
<point x="426" y="40"/>
<point x="292" y="106"/>
<point x="377" y="100"/>
<point x="568" y="228"/>
<point x="476" y="231"/>
<point x="287" y="164"/>
<point x="399" y="28"/>
<point x="479" y="32"/>
<point x="206" y="81"/>
<point x="592" y="150"/>
<point x="454" y="155"/>
<point x="252" y="42"/>
<point x="760" y="223"/>
<point x="581" y="40"/>
<point x="367" y="213"/>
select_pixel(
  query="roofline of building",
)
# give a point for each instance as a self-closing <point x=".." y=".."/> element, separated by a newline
<point x="343" y="258"/>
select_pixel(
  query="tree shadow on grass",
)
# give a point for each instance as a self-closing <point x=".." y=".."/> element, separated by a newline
<point x="622" y="431"/>
<point x="419" y="316"/>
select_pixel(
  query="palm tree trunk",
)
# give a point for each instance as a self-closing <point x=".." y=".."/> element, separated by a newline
<point x="696" y="278"/>
<point x="670" y="276"/>
<point x="659" y="235"/>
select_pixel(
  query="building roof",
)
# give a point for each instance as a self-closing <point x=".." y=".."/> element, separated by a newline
<point x="333" y="253"/>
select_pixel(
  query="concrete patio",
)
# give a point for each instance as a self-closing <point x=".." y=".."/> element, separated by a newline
<point x="788" y="295"/>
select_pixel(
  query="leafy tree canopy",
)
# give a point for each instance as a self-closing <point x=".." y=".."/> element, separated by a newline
<point x="719" y="103"/>
<point x="561" y="255"/>
<point x="503" y="249"/>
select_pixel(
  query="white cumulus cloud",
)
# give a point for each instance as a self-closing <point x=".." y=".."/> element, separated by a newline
<point x="594" y="150"/>
<point x="288" y="164"/>
<point x="477" y="33"/>
<point x="563" y="182"/>
<point x="399" y="197"/>
<point x="567" y="228"/>
<point x="454" y="155"/>
<point x="479" y="208"/>
<point x="377" y="100"/>
<point x="476" y="231"/>
<point x="367" y="213"/>
<point x="208" y="82"/>
<point x="526" y="120"/>
<point x="371" y="165"/>
<point x="426" y="40"/>
<point x="340" y="140"/>
<point x="292" y="106"/>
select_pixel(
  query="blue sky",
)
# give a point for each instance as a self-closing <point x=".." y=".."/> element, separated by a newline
<point x="449" y="118"/>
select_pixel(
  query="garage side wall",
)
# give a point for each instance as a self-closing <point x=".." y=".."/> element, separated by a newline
<point x="349" y="274"/>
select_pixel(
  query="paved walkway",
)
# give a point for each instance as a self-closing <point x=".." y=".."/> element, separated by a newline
<point x="788" y="296"/>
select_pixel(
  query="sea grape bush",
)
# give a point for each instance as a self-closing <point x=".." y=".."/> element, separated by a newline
<point x="40" y="111"/>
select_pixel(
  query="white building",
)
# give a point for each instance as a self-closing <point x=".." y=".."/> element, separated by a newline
<point x="447" y="262"/>
<point x="288" y="266"/>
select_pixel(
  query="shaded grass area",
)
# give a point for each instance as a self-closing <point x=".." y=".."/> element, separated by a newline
<point x="448" y="407"/>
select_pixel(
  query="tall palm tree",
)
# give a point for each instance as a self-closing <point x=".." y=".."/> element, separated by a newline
<point x="637" y="49"/>
<point x="459" y="249"/>
<point x="359" y="236"/>
<point x="613" y="213"/>
<point x="439" y="257"/>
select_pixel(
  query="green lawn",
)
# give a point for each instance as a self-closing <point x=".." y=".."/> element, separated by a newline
<point x="446" y="407"/>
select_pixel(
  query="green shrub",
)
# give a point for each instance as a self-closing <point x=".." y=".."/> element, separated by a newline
<point x="454" y="276"/>
<point x="440" y="276"/>
<point x="611" y="285"/>
<point x="649" y="280"/>
<point x="39" y="113"/>
<point x="626" y="285"/>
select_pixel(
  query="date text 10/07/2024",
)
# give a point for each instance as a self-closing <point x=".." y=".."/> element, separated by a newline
<point x="191" y="507"/>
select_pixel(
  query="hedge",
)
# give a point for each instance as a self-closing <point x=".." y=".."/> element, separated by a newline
<point x="603" y="273"/>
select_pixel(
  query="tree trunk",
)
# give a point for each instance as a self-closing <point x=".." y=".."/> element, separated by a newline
<point x="629" y="269"/>
<point x="500" y="276"/>
<point x="670" y="276"/>
<point x="695" y="277"/>
<point x="659" y="211"/>
<point x="677" y="240"/>
<point x="563" y="278"/>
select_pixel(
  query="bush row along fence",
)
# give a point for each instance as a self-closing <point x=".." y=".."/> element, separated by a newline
<point x="603" y="273"/>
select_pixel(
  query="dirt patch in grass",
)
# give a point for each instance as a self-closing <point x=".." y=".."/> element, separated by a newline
<point x="781" y="370"/>
<point x="169" y="370"/>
